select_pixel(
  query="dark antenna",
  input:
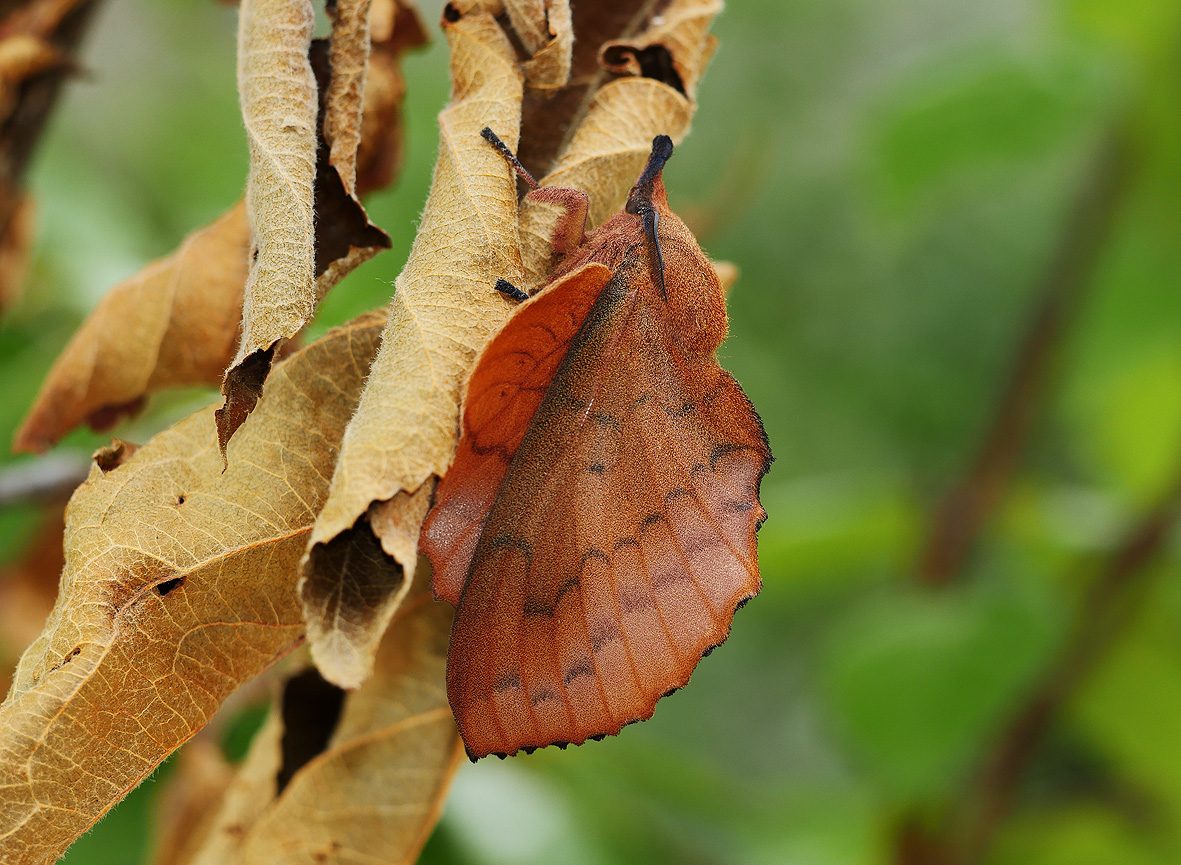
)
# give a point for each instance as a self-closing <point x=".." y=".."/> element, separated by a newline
<point x="639" y="202"/>
<point x="522" y="172"/>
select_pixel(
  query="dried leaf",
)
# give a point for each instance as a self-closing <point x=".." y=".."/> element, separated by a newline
<point x="187" y="807"/>
<point x="279" y="107"/>
<point x="549" y="117"/>
<point x="28" y="588"/>
<point x="374" y="788"/>
<point x="344" y="101"/>
<point x="394" y="28"/>
<point x="612" y="140"/>
<point x="345" y="238"/>
<point x="174" y="323"/>
<point x="178" y="586"/>
<point x="727" y="273"/>
<point x="15" y="240"/>
<point x="675" y="48"/>
<point x="37" y="42"/>
<point x="546" y="30"/>
<point x="444" y="310"/>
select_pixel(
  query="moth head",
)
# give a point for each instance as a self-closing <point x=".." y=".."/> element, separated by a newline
<point x="647" y="199"/>
<point x="650" y="186"/>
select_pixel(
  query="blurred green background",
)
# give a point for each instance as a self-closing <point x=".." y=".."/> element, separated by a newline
<point x="893" y="179"/>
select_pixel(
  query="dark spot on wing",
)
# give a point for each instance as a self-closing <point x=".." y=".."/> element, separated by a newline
<point x="677" y="493"/>
<point x="534" y="609"/>
<point x="604" y="419"/>
<point x="592" y="553"/>
<point x="596" y="468"/>
<point x="724" y="450"/>
<point x="507" y="682"/>
<point x="567" y="587"/>
<point x="605" y="631"/>
<point x="651" y="520"/>
<point x="628" y="541"/>
<point x="684" y="409"/>
<point x="630" y="601"/>
<point x="505" y="541"/>
<point x="538" y="697"/>
<point x="582" y="667"/>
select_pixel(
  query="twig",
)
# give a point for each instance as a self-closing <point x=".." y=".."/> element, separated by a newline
<point x="965" y="509"/>
<point x="47" y="478"/>
<point x="1111" y="602"/>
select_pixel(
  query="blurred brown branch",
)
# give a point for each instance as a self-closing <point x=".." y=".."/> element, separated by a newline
<point x="965" y="509"/>
<point x="1111" y="602"/>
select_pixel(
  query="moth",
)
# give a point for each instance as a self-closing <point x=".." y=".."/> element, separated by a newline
<point x="596" y="531"/>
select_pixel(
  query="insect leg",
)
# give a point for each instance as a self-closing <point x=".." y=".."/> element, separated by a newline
<point x="510" y="291"/>
<point x="504" y="150"/>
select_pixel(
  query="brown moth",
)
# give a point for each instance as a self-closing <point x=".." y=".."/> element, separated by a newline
<point x="596" y="532"/>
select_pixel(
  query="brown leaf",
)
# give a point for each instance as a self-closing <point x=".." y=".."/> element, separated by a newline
<point x="394" y="28"/>
<point x="444" y="310"/>
<point x="186" y="809"/>
<point x="358" y="781"/>
<point x="279" y="107"/>
<point x="37" y="42"/>
<point x="608" y="148"/>
<point x="345" y="238"/>
<point x="549" y="117"/>
<point x="15" y="240"/>
<point x="174" y="323"/>
<point x="546" y="30"/>
<point x="28" y="588"/>
<point x="178" y="586"/>
<point x="344" y="100"/>
<point x="675" y="48"/>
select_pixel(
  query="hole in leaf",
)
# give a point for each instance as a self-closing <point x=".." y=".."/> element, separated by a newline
<point x="167" y="586"/>
<point x="311" y="708"/>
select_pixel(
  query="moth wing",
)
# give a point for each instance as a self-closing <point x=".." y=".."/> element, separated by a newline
<point x="504" y="392"/>
<point x="620" y="543"/>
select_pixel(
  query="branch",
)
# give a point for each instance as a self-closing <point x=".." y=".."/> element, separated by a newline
<point x="48" y="478"/>
<point x="969" y="504"/>
<point x="1111" y="602"/>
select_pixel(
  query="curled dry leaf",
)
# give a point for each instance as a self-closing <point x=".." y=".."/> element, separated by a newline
<point x="394" y="28"/>
<point x="345" y="91"/>
<point x="28" y="587"/>
<point x="607" y="149"/>
<point x="178" y="586"/>
<point x="345" y="238"/>
<point x="174" y="323"/>
<point x="37" y="43"/>
<point x="546" y="29"/>
<point x="548" y="117"/>
<point x="186" y="809"/>
<point x="675" y="47"/>
<point x="279" y="107"/>
<point x="358" y="780"/>
<point x="444" y="310"/>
